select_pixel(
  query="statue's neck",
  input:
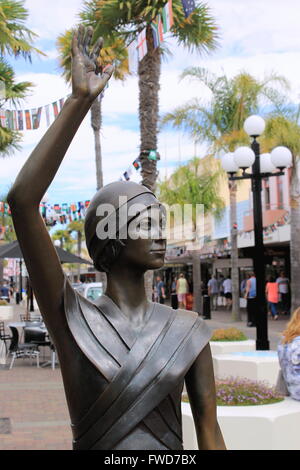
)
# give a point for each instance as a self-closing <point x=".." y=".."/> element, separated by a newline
<point x="127" y="289"/>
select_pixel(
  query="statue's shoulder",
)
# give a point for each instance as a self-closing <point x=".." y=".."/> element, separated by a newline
<point x="184" y="315"/>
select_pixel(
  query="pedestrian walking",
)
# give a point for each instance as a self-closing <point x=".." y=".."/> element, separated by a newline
<point x="182" y="289"/>
<point x="272" y="295"/>
<point x="161" y="292"/>
<point x="213" y="292"/>
<point x="289" y="355"/>
<point x="284" y="292"/>
<point x="174" y="300"/>
<point x="250" y="296"/>
<point x="227" y="285"/>
<point x="5" y="292"/>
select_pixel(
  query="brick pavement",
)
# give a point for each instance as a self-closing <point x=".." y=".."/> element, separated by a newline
<point x="33" y="399"/>
<point x="34" y="402"/>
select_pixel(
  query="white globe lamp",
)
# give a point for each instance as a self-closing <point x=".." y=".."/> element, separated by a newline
<point x="266" y="165"/>
<point x="228" y="163"/>
<point x="281" y="157"/>
<point x="244" y="157"/>
<point x="254" y="126"/>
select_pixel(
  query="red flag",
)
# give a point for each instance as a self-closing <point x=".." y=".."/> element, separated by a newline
<point x="55" y="109"/>
<point x="28" y="119"/>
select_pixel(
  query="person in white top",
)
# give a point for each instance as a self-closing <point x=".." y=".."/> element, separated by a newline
<point x="227" y="285"/>
<point x="283" y="287"/>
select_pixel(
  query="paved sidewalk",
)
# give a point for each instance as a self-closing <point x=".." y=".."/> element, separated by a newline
<point x="33" y="409"/>
<point x="222" y="319"/>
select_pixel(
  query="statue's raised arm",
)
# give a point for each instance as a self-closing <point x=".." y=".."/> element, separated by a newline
<point x="88" y="81"/>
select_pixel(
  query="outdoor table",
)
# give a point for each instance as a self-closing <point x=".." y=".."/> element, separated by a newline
<point x="39" y="327"/>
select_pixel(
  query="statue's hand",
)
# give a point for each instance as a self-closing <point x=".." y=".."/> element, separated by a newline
<point x="88" y="79"/>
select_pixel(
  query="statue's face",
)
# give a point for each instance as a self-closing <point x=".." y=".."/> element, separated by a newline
<point x="145" y="247"/>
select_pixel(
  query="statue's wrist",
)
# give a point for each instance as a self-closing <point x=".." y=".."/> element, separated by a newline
<point x="81" y="100"/>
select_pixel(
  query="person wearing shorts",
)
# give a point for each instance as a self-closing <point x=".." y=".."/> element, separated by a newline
<point x="182" y="290"/>
<point x="227" y="285"/>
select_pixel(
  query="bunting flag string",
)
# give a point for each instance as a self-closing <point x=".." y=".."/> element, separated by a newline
<point x="30" y="119"/>
<point x="137" y="49"/>
<point x="283" y="220"/>
<point x="65" y="213"/>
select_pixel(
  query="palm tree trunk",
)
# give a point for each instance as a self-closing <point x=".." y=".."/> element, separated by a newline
<point x="295" y="239"/>
<point x="235" y="315"/>
<point x="96" y="123"/>
<point x="149" y="74"/>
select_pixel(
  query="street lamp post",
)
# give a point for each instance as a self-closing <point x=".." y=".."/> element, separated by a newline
<point x="263" y="166"/>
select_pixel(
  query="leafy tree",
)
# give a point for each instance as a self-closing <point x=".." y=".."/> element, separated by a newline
<point x="15" y="40"/>
<point x="14" y="92"/>
<point x="65" y="239"/>
<point x="194" y="184"/>
<point x="219" y="123"/>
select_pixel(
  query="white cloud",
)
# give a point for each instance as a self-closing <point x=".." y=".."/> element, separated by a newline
<point x="49" y="19"/>
<point x="259" y="37"/>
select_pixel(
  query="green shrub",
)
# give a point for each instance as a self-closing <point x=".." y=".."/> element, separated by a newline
<point x="243" y="392"/>
<point x="228" y="334"/>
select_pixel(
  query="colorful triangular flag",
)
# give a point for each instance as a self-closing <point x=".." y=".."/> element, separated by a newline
<point x="142" y="44"/>
<point x="167" y="16"/>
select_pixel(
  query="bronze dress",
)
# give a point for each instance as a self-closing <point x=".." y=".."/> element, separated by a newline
<point x="138" y="404"/>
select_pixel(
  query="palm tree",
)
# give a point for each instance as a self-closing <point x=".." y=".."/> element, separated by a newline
<point x="77" y="226"/>
<point x="14" y="92"/>
<point x="219" y="123"/>
<point x="65" y="239"/>
<point x="285" y="130"/>
<point x="128" y="18"/>
<point x="15" y="40"/>
<point x="113" y="52"/>
<point x="191" y="184"/>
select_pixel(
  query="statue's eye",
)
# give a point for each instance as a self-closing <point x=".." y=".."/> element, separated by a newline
<point x="145" y="224"/>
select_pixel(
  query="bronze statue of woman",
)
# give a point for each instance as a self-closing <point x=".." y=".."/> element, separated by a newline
<point x="124" y="361"/>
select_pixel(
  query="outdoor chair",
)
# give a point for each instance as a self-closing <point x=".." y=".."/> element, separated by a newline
<point x="35" y="335"/>
<point x="4" y="336"/>
<point x="21" y="350"/>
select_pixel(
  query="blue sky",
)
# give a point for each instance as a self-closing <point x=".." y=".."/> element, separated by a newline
<point x="259" y="37"/>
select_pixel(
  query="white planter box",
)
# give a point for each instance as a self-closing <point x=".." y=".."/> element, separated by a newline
<point x="254" y="365"/>
<point x="6" y="312"/>
<point x="226" y="347"/>
<point x="262" y="427"/>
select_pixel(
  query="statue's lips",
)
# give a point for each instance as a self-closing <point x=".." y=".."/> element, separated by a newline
<point x="162" y="252"/>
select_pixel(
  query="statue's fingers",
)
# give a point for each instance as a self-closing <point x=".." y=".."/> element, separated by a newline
<point x="75" y="49"/>
<point x="87" y="39"/>
<point x="81" y="33"/>
<point x="107" y="73"/>
<point x="96" y="49"/>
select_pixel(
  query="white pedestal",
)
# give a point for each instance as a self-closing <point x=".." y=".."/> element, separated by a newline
<point x="253" y="365"/>
<point x="262" y="427"/>
<point x="226" y="347"/>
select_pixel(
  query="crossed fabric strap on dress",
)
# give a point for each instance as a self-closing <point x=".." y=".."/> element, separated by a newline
<point x="145" y="370"/>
